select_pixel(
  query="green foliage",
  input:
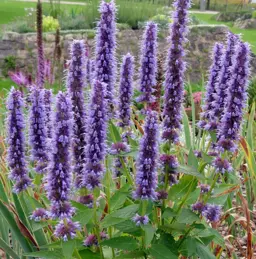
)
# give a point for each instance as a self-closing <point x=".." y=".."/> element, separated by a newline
<point x="254" y="15"/>
<point x="252" y="92"/>
<point x="50" y="24"/>
<point x="9" y="65"/>
<point x="163" y="21"/>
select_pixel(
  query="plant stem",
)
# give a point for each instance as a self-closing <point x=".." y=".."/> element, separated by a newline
<point x="127" y="174"/>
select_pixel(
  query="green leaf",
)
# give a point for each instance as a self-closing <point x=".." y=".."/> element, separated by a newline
<point x="86" y="253"/>
<point x="159" y="251"/>
<point x="109" y="221"/>
<point x="189" y="170"/>
<point x="169" y="213"/>
<point x="3" y="195"/>
<point x="149" y="233"/>
<point x="187" y="130"/>
<point x="136" y="254"/>
<point x="114" y="133"/>
<point x="15" y="229"/>
<point x="251" y="121"/>
<point x="119" y="198"/>
<point x="221" y="200"/>
<point x="130" y="227"/>
<point x="84" y="216"/>
<point x="123" y="242"/>
<point x="188" y="247"/>
<point x="8" y="250"/>
<point x="46" y="254"/>
<point x="187" y="216"/>
<point x="68" y="248"/>
<point x="203" y="251"/>
<point x="126" y="212"/>
<point x="192" y="159"/>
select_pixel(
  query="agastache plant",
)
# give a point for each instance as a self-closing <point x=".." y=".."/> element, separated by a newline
<point x="38" y="130"/>
<point x="16" y="142"/>
<point x="225" y="75"/>
<point x="125" y="90"/>
<point x="209" y="117"/>
<point x="148" y="63"/>
<point x="146" y="177"/>
<point x="175" y="68"/>
<point x="232" y="117"/>
<point x="96" y="137"/>
<point x="40" y="50"/>
<point x="48" y="100"/>
<point x="76" y="81"/>
<point x="105" y="63"/>
<point x="59" y="177"/>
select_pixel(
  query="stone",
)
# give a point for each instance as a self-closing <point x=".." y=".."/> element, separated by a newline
<point x="245" y="24"/>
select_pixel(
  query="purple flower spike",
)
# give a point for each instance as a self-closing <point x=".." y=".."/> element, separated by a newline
<point x="38" y="130"/>
<point x="175" y="69"/>
<point x="87" y="200"/>
<point x="236" y="100"/>
<point x="126" y="90"/>
<point x="66" y="229"/>
<point x="162" y="195"/>
<point x="59" y="178"/>
<point x="198" y="207"/>
<point x="208" y="116"/>
<point x="96" y="141"/>
<point x="76" y="84"/>
<point x="40" y="50"/>
<point x="48" y="99"/>
<point x="16" y="141"/>
<point x="212" y="212"/>
<point x="169" y="161"/>
<point x="226" y="75"/>
<point x="148" y="63"/>
<point x="222" y="165"/>
<point x="105" y="63"/>
<point x="90" y="68"/>
<point x="39" y="214"/>
<point x="118" y="148"/>
<point x="91" y="240"/>
<point x="205" y="188"/>
<point x="146" y="177"/>
<point x="140" y="220"/>
<point x="19" y="78"/>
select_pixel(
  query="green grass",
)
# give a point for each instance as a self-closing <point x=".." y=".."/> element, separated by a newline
<point x="248" y="35"/>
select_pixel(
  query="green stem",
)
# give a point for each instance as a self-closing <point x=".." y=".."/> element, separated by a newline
<point x="127" y="173"/>
<point x="215" y="178"/>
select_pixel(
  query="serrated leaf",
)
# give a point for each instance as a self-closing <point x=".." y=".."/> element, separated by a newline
<point x="149" y="232"/>
<point x="84" y="216"/>
<point x="109" y="221"/>
<point x="169" y="213"/>
<point x="203" y="252"/>
<point x="189" y="170"/>
<point x="130" y="227"/>
<point x="187" y="216"/>
<point x="159" y="251"/>
<point x="123" y="242"/>
<point x="86" y="253"/>
<point x="126" y="212"/>
<point x="118" y="199"/>
<point x="68" y="248"/>
<point x="137" y="254"/>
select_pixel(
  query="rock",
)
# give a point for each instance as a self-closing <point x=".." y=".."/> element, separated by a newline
<point x="232" y="16"/>
<point x="245" y="24"/>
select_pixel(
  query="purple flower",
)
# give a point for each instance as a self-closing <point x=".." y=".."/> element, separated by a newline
<point x="48" y="99"/>
<point x="236" y="100"/>
<point x="169" y="161"/>
<point x="90" y="68"/>
<point x="40" y="50"/>
<point x="148" y="63"/>
<point x="16" y="141"/>
<point x="140" y="220"/>
<point x="39" y="214"/>
<point x="213" y="153"/>
<point x="212" y="212"/>
<point x="66" y="229"/>
<point x="91" y="240"/>
<point x="198" y="154"/>
<point x="38" y="130"/>
<point x="96" y="141"/>
<point x="208" y="116"/>
<point x="59" y="178"/>
<point x="226" y="75"/>
<point x="61" y="210"/>
<point x="125" y="90"/>
<point x="19" y="78"/>
<point x="87" y="200"/>
<point x="175" y="69"/>
<point x="76" y="84"/>
<point x="205" y="188"/>
<point x="198" y="207"/>
<point x="146" y="177"/>
<point x="162" y="195"/>
<point x="105" y="63"/>
<point x="48" y="73"/>
<point x="118" y="148"/>
<point x="222" y="165"/>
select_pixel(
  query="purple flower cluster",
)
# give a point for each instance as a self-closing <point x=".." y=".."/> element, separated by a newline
<point x="76" y="84"/>
<point x="59" y="178"/>
<point x="20" y="79"/>
<point x="208" y="116"/>
<point x="48" y="99"/>
<point x="146" y="177"/>
<point x="118" y="148"/>
<point x="210" y="211"/>
<point x="175" y="68"/>
<point x="92" y="240"/>
<point x="169" y="165"/>
<point x="87" y="200"/>
<point x="105" y="63"/>
<point x="140" y="220"/>
<point x="90" y="68"/>
<point x="236" y="100"/>
<point x="205" y="188"/>
<point x="96" y="141"/>
<point x="38" y="130"/>
<point x="226" y="75"/>
<point x="222" y="165"/>
<point x="148" y="63"/>
<point x="66" y="229"/>
<point x="16" y="141"/>
<point x="39" y="214"/>
<point x="125" y="90"/>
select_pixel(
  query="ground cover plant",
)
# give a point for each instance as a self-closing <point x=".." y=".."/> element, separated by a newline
<point x="103" y="170"/>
